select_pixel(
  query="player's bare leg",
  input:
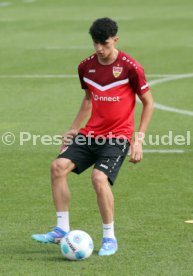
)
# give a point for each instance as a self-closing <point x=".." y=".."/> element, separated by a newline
<point x="60" y="168"/>
<point x="105" y="202"/>
<point x="104" y="194"/>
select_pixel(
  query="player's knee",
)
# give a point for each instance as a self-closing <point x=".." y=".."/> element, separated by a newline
<point x="58" y="168"/>
<point x="99" y="180"/>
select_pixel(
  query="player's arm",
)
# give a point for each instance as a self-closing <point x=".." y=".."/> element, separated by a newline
<point x="136" y="151"/>
<point x="84" y="111"/>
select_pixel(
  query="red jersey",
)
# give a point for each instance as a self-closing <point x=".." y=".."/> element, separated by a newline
<point x="113" y="90"/>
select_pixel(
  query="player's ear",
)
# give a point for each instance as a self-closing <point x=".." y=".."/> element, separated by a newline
<point x="116" y="39"/>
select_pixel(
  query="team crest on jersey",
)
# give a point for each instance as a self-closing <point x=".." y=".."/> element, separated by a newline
<point x="117" y="71"/>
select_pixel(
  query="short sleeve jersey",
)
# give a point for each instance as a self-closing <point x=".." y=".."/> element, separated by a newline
<point x="113" y="90"/>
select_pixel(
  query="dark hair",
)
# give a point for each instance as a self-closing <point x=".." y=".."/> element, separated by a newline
<point x="102" y="29"/>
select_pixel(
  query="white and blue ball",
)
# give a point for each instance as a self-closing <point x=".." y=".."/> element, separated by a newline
<point x="77" y="245"/>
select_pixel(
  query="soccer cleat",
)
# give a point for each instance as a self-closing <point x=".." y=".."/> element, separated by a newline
<point x="51" y="237"/>
<point x="109" y="247"/>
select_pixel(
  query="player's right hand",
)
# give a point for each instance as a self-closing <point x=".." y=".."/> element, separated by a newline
<point x="67" y="138"/>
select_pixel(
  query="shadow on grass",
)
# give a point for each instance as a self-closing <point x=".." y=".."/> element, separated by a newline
<point x="55" y="258"/>
<point x="45" y="254"/>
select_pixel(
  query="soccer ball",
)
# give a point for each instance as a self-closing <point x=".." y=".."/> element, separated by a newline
<point x="76" y="245"/>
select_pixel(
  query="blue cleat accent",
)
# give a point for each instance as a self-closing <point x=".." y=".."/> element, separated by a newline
<point x="109" y="247"/>
<point x="51" y="237"/>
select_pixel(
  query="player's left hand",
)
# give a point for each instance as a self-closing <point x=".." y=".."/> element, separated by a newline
<point x="135" y="152"/>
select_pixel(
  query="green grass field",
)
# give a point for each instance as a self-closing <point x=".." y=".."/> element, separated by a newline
<point x="41" y="44"/>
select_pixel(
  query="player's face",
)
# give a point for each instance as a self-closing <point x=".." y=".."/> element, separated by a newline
<point x="105" y="50"/>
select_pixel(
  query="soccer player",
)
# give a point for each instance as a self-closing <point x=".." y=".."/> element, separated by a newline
<point x="111" y="80"/>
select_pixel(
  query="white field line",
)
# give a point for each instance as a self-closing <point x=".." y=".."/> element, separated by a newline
<point x="29" y="1"/>
<point x="165" y="78"/>
<point x="5" y="4"/>
<point x="51" y="76"/>
<point x="163" y="151"/>
<point x="151" y="82"/>
<point x="6" y="20"/>
<point x="48" y="76"/>
<point x="67" y="47"/>
<point x="171" y="78"/>
<point x="173" y="109"/>
<point x="163" y="75"/>
<point x="169" y="108"/>
<point x="90" y="19"/>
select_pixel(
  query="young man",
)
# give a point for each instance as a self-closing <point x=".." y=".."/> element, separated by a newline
<point x="111" y="80"/>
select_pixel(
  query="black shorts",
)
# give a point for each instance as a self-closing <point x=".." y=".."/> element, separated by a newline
<point x="107" y="155"/>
